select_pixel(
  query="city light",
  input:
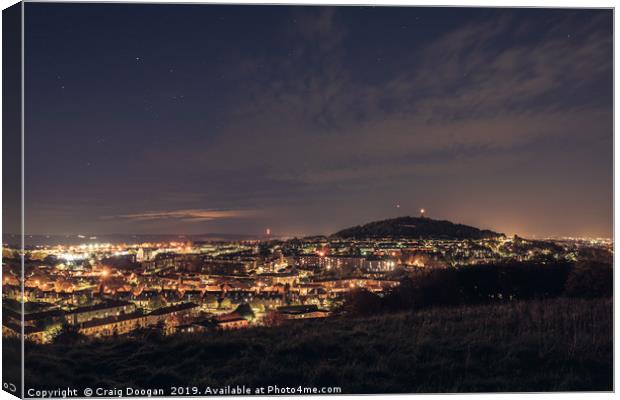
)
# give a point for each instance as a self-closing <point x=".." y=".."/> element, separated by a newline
<point x="311" y="270"/>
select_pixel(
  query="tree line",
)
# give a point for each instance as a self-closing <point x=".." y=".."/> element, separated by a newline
<point x="482" y="284"/>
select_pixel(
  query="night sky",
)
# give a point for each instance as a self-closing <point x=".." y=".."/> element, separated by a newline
<point x="305" y="120"/>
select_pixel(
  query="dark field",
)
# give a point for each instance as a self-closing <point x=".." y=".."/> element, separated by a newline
<point x="537" y="345"/>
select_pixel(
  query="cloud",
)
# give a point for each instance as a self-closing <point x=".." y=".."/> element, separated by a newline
<point x="194" y="215"/>
<point x="476" y="101"/>
<point x="462" y="93"/>
<point x="336" y="113"/>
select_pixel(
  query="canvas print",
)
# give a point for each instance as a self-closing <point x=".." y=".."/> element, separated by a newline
<point x="204" y="199"/>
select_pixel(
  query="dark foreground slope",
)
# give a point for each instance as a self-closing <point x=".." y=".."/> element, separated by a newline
<point x="416" y="228"/>
<point x="553" y="345"/>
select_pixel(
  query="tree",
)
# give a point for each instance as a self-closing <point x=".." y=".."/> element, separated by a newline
<point x="81" y="299"/>
<point x="401" y="297"/>
<point x="245" y="311"/>
<point x="156" y="302"/>
<point x="212" y="301"/>
<point x="361" y="302"/>
<point x="257" y="304"/>
<point x="264" y="249"/>
<point x="50" y="260"/>
<point x="224" y="303"/>
<point x="590" y="279"/>
<point x="68" y="334"/>
<point x="160" y="327"/>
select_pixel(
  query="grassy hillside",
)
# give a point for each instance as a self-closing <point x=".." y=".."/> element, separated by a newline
<point x="552" y="345"/>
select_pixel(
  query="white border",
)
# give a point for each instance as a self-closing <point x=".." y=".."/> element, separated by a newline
<point x="462" y="3"/>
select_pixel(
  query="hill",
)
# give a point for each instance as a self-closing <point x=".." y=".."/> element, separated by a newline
<point x="416" y="228"/>
<point x="535" y="345"/>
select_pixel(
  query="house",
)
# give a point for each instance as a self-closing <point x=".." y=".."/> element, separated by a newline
<point x="196" y="327"/>
<point x="144" y="298"/>
<point x="104" y="309"/>
<point x="230" y="321"/>
<point x="34" y="318"/>
<point x="192" y="296"/>
<point x="34" y="334"/>
<point x="302" y="312"/>
<point x="114" y="325"/>
<point x="169" y="314"/>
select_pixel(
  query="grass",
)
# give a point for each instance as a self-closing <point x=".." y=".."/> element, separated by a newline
<point x="537" y="345"/>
